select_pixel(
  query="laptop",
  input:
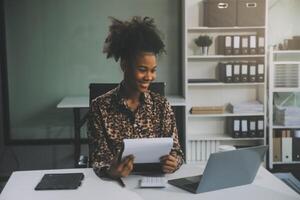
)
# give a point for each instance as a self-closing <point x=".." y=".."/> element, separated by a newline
<point x="225" y="169"/>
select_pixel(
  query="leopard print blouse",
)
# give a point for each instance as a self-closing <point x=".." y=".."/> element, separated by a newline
<point x="111" y="121"/>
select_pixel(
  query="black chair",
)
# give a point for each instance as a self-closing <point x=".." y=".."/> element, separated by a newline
<point x="97" y="89"/>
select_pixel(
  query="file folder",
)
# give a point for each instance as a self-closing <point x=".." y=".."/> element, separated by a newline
<point x="252" y="127"/>
<point x="244" y="44"/>
<point x="234" y="127"/>
<point x="286" y="149"/>
<point x="244" y="127"/>
<point x="252" y="72"/>
<point x="224" y="72"/>
<point x="236" y="45"/>
<point x="252" y="44"/>
<point x="236" y="73"/>
<point x="225" y="45"/>
<point x="261" y="45"/>
<point x="260" y="127"/>
<point x="296" y="149"/>
<point x="260" y="72"/>
<point x="244" y="72"/>
<point x="277" y="149"/>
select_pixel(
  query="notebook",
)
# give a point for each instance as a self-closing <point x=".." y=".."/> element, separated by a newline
<point x="60" y="181"/>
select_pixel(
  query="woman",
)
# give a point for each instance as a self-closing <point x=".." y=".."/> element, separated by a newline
<point x="131" y="110"/>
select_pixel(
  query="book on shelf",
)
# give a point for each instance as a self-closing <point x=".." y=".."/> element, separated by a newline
<point x="202" y="80"/>
<point x="207" y="110"/>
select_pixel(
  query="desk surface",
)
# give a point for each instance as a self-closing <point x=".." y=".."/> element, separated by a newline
<point x="21" y="186"/>
<point x="83" y="101"/>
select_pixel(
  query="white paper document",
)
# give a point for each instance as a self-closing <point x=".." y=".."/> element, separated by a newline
<point x="147" y="150"/>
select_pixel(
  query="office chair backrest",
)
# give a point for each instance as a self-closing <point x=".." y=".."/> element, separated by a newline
<point x="97" y="89"/>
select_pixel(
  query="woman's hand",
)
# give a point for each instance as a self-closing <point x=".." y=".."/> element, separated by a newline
<point x="169" y="163"/>
<point x="123" y="168"/>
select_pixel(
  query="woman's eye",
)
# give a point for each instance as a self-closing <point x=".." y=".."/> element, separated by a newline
<point x="142" y="70"/>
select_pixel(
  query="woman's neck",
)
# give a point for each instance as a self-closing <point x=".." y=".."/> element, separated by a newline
<point x="131" y="94"/>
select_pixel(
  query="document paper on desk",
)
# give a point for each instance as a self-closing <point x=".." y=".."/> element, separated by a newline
<point x="147" y="150"/>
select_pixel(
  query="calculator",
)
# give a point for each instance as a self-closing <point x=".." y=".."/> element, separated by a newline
<point x="153" y="182"/>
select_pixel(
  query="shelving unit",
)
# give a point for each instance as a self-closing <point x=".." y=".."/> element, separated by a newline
<point x="279" y="58"/>
<point x="205" y="132"/>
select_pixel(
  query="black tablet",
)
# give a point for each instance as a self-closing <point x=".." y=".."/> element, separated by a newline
<point x="63" y="181"/>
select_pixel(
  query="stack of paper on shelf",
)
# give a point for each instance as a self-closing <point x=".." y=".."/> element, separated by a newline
<point x="287" y="116"/>
<point x="207" y="110"/>
<point x="246" y="107"/>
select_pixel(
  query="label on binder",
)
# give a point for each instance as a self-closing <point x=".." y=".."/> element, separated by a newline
<point x="252" y="125"/>
<point x="244" y="69"/>
<point x="244" y="42"/>
<point x="260" y="69"/>
<point x="228" y="70"/>
<point x="252" y="70"/>
<point x="228" y="41"/>
<point x="261" y="42"/>
<point x="244" y="126"/>
<point x="260" y="125"/>
<point x="236" y="70"/>
<point x="252" y="41"/>
<point x="236" y="125"/>
<point x="236" y="42"/>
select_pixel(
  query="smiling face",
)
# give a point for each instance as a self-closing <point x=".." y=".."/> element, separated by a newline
<point x="139" y="76"/>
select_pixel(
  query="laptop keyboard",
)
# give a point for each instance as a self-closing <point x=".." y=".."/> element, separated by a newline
<point x="189" y="182"/>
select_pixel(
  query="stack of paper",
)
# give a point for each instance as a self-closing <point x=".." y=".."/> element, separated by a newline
<point x="246" y="107"/>
<point x="287" y="116"/>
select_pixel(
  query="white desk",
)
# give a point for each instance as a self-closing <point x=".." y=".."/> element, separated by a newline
<point x="21" y="186"/>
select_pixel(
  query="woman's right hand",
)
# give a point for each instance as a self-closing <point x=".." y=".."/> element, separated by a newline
<point x="123" y="168"/>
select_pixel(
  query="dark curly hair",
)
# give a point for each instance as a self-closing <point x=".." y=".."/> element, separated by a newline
<point x="128" y="38"/>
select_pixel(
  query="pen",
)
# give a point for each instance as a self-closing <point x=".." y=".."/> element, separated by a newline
<point x="121" y="182"/>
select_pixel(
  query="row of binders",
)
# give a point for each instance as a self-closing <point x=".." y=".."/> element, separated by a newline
<point x="241" y="44"/>
<point x="239" y="72"/>
<point x="245" y="127"/>
<point x="200" y="150"/>
<point x="286" y="146"/>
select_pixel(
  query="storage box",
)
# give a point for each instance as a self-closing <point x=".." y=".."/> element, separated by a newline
<point x="220" y="13"/>
<point x="251" y="12"/>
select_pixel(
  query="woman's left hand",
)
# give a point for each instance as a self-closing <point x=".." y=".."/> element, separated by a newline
<point x="169" y="163"/>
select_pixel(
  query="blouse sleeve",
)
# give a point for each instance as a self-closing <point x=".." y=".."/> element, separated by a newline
<point x="170" y="130"/>
<point x="100" y="154"/>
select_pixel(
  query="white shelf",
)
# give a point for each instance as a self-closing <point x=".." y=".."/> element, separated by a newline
<point x="286" y="63"/>
<point x="273" y="64"/>
<point x="285" y="127"/>
<point x="286" y="163"/>
<point x="225" y="29"/>
<point x="286" y="90"/>
<point x="225" y="84"/>
<point x="176" y="100"/>
<point x="217" y="137"/>
<point x="224" y="56"/>
<point x="226" y="114"/>
<point x="286" y="51"/>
